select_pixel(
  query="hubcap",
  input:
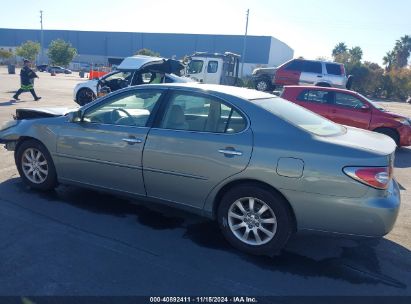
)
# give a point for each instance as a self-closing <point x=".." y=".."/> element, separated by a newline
<point x="262" y="86"/>
<point x="34" y="165"/>
<point x="252" y="221"/>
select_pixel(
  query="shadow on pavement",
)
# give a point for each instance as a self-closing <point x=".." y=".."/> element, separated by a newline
<point x="353" y="260"/>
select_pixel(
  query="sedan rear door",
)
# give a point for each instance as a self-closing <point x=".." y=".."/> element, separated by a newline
<point x="199" y="142"/>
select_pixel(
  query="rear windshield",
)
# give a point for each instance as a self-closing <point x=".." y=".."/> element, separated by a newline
<point x="300" y="117"/>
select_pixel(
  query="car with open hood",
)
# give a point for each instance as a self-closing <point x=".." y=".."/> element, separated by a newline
<point x="263" y="167"/>
<point x="135" y="70"/>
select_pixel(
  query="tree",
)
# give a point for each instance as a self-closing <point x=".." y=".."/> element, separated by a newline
<point x="28" y="50"/>
<point x="340" y="48"/>
<point x="61" y="52"/>
<point x="147" y="52"/>
<point x="389" y="60"/>
<point x="355" y="54"/>
<point x="402" y="51"/>
<point x="4" y="54"/>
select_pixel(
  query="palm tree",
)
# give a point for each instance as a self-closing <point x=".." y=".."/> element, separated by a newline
<point x="340" y="48"/>
<point x="355" y="54"/>
<point x="402" y="51"/>
<point x="389" y="60"/>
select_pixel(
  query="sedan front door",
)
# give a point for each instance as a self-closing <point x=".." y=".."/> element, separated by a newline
<point x="105" y="148"/>
<point x="199" y="142"/>
<point x="350" y="110"/>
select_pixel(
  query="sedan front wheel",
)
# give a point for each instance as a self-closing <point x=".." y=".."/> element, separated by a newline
<point x="35" y="165"/>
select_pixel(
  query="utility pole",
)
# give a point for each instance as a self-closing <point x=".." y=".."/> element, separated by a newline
<point x="41" y="39"/>
<point x="244" y="45"/>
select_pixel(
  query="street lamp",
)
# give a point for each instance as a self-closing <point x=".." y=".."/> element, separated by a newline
<point x="244" y="45"/>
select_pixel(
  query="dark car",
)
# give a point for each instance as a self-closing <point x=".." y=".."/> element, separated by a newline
<point x="58" y="70"/>
<point x="42" y="67"/>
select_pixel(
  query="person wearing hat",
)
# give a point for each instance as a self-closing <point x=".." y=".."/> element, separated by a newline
<point x="27" y="76"/>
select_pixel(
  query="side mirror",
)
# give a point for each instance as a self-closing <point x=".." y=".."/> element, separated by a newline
<point x="365" y="107"/>
<point x="75" y="117"/>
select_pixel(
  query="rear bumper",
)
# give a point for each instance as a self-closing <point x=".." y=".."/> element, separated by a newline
<point x="373" y="215"/>
<point x="405" y="135"/>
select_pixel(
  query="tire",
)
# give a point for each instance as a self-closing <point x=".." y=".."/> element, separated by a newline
<point x="262" y="85"/>
<point x="33" y="154"/>
<point x="323" y="84"/>
<point x="84" y="96"/>
<point x="234" y="223"/>
<point x="391" y="133"/>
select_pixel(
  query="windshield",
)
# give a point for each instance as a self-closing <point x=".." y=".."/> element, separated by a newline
<point x="195" y="66"/>
<point x="118" y="75"/>
<point x="300" y="117"/>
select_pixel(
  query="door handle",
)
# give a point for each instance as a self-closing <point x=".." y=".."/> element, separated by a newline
<point x="230" y="152"/>
<point x="319" y="76"/>
<point x="132" y="141"/>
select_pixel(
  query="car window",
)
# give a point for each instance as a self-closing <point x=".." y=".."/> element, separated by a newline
<point x="129" y="109"/>
<point x="348" y="101"/>
<point x="300" y="117"/>
<point x="317" y="96"/>
<point x="195" y="66"/>
<point x="119" y="75"/>
<point x="212" y="67"/>
<point x="295" y="65"/>
<point x="312" y="67"/>
<point x="203" y="114"/>
<point x="333" y="69"/>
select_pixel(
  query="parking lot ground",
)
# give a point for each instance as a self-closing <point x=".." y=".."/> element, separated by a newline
<point x="81" y="242"/>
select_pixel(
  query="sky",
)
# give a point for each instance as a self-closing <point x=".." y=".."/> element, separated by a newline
<point x="311" y="27"/>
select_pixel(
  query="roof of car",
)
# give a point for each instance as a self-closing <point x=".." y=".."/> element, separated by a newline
<point x="137" y="61"/>
<point x="244" y="93"/>
<point x="302" y="87"/>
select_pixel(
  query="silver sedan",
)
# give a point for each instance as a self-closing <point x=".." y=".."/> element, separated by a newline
<point x="261" y="166"/>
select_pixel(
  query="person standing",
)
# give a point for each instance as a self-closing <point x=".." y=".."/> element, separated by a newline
<point x="27" y="76"/>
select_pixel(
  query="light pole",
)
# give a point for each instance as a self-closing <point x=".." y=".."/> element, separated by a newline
<point x="41" y="39"/>
<point x="244" y="45"/>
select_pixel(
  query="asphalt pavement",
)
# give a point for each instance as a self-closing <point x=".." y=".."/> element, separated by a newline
<point x="75" y="241"/>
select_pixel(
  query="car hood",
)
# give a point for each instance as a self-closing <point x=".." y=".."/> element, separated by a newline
<point x="32" y="113"/>
<point x="364" y="140"/>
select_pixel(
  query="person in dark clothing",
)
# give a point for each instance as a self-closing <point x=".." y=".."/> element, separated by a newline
<point x="27" y="76"/>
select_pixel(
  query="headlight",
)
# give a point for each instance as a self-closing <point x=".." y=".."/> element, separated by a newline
<point x="8" y="124"/>
<point x="404" y="121"/>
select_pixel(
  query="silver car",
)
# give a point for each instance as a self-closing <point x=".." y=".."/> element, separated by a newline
<point x="261" y="166"/>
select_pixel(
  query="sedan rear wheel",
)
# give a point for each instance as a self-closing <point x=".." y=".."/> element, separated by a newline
<point x="35" y="165"/>
<point x="252" y="221"/>
<point x="255" y="219"/>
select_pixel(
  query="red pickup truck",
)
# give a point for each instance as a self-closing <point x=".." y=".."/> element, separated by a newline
<point x="351" y="109"/>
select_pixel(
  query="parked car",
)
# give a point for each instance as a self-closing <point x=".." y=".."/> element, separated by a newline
<point x="135" y="70"/>
<point x="352" y="109"/>
<point x="302" y="72"/>
<point x="42" y="67"/>
<point x="262" y="166"/>
<point x="58" y="70"/>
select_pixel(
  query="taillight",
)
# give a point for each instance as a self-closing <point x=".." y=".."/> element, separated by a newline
<point x="377" y="177"/>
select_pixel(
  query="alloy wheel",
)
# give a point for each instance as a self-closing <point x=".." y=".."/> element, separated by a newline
<point x="252" y="221"/>
<point x="34" y="166"/>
